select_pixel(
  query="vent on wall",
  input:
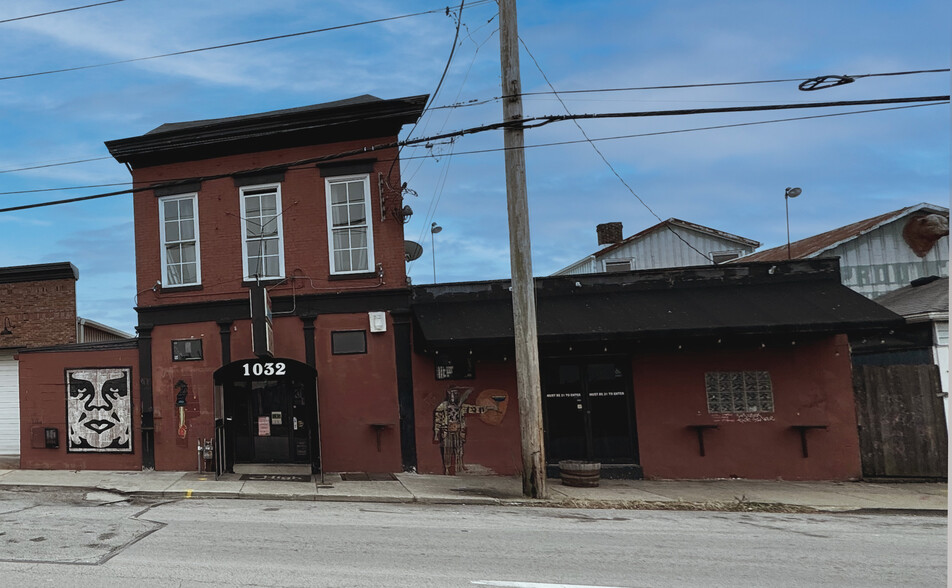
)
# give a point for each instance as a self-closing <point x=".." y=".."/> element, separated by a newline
<point x="618" y="266"/>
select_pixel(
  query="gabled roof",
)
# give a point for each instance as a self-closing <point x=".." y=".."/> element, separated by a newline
<point x="923" y="298"/>
<point x="361" y="117"/>
<point x="675" y="222"/>
<point x="818" y="244"/>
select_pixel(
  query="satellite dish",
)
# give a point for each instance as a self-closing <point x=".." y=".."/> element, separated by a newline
<point x="412" y="250"/>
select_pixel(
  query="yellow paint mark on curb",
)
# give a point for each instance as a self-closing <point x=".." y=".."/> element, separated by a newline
<point x="188" y="493"/>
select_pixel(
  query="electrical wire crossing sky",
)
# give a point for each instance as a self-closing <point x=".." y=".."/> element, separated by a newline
<point x="76" y="74"/>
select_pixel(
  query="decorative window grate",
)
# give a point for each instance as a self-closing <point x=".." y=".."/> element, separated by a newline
<point x="739" y="392"/>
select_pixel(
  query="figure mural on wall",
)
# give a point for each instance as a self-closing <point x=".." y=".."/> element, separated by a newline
<point x="449" y="422"/>
<point x="99" y="410"/>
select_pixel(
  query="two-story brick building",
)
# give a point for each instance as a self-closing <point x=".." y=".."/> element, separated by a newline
<point x="235" y="205"/>
<point x="276" y="324"/>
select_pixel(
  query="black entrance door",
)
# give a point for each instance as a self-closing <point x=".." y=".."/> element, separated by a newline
<point x="269" y="412"/>
<point x="270" y="422"/>
<point x="589" y="412"/>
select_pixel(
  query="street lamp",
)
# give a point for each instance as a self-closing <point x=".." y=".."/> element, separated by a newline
<point x="787" y="195"/>
<point x="434" y="229"/>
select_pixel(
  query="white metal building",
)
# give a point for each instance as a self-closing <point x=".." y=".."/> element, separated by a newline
<point x="882" y="253"/>
<point x="671" y="243"/>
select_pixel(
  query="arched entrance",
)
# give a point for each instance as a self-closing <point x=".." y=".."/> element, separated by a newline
<point x="266" y="413"/>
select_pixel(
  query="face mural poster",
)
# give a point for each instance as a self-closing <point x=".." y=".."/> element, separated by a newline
<point x="99" y="410"/>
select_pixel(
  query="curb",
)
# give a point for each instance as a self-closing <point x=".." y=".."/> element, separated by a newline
<point x="660" y="505"/>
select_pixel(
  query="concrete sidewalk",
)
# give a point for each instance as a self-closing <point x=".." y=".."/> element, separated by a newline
<point x="739" y="495"/>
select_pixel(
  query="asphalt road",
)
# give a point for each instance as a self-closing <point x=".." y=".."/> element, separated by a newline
<point x="102" y="540"/>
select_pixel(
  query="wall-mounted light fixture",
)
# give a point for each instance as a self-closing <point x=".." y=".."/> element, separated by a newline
<point x="7" y="326"/>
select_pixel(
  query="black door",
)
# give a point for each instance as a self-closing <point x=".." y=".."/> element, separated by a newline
<point x="589" y="412"/>
<point x="269" y="410"/>
<point x="270" y="421"/>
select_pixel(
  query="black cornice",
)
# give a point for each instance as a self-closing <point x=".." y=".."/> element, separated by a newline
<point x="312" y="125"/>
<point x="306" y="305"/>
<point x="38" y="273"/>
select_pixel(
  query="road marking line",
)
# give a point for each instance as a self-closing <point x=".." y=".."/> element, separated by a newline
<point x="188" y="493"/>
<point x="507" y="584"/>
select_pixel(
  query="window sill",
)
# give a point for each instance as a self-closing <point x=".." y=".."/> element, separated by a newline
<point x="170" y="289"/>
<point x="358" y="276"/>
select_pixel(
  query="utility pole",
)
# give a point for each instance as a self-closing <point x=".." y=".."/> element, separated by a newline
<point x="523" y="288"/>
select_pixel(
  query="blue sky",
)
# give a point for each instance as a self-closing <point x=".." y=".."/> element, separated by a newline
<point x="732" y="179"/>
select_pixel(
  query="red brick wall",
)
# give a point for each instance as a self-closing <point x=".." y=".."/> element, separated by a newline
<point x="812" y="385"/>
<point x="41" y="313"/>
<point x="43" y="404"/>
<point x="304" y="226"/>
<point x="171" y="451"/>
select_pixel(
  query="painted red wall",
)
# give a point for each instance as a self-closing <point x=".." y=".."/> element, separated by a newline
<point x="171" y="451"/>
<point x="490" y="449"/>
<point x="354" y="391"/>
<point x="812" y="385"/>
<point x="304" y="225"/>
<point x="43" y="404"/>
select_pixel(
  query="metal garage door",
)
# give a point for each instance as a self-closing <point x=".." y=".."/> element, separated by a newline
<point x="9" y="405"/>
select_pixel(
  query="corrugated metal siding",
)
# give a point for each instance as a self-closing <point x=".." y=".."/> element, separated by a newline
<point x="881" y="261"/>
<point x="582" y="266"/>
<point x="91" y="334"/>
<point x="662" y="249"/>
<point x="9" y="405"/>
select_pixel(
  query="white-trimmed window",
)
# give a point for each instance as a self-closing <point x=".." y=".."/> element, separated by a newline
<point x="349" y="226"/>
<point x="262" y="247"/>
<point x="178" y="230"/>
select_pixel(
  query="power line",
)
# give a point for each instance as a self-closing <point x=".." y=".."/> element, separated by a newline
<point x="479" y="102"/>
<point x="690" y="130"/>
<point x="60" y="11"/>
<point x="229" y="45"/>
<point x="41" y="166"/>
<point x="63" y="189"/>
<point x="446" y="68"/>
<point x="608" y="163"/>
<point x="472" y="130"/>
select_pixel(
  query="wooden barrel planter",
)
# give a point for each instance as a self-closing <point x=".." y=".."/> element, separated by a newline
<point x="581" y="474"/>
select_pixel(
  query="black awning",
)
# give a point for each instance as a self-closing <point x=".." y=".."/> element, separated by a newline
<point x="588" y="314"/>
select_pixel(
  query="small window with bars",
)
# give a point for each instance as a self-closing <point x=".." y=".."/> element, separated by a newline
<point x="739" y="392"/>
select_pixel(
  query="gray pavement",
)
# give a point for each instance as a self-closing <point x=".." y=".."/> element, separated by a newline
<point x="748" y="495"/>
